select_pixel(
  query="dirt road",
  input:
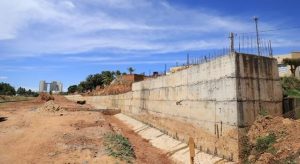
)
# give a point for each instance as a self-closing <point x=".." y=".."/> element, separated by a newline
<point x="31" y="135"/>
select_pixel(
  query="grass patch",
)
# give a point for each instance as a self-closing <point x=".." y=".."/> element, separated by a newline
<point x="291" y="86"/>
<point x="265" y="143"/>
<point x="263" y="112"/>
<point x="246" y="149"/>
<point x="293" y="93"/>
<point x="119" y="147"/>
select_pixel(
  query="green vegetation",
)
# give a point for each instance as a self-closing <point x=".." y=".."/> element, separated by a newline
<point x="246" y="149"/>
<point x="92" y="81"/>
<point x="119" y="147"/>
<point x="265" y="143"/>
<point x="23" y="92"/>
<point x="263" y="112"/>
<point x="291" y="86"/>
<point x="14" y="98"/>
<point x="293" y="63"/>
<point x="293" y="93"/>
<point x="72" y="89"/>
<point x="130" y="70"/>
<point x="7" y="89"/>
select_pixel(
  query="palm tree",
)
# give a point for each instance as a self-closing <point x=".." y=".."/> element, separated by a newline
<point x="130" y="70"/>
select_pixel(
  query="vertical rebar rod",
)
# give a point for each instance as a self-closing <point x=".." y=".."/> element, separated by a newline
<point x="231" y="42"/>
<point x="257" y="35"/>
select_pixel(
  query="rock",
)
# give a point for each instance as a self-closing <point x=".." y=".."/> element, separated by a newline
<point x="52" y="154"/>
<point x="251" y="158"/>
<point x="287" y="121"/>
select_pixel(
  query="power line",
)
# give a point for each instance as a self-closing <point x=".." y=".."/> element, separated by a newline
<point x="270" y="30"/>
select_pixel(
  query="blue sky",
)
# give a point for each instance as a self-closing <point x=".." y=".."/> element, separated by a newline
<point x="66" y="40"/>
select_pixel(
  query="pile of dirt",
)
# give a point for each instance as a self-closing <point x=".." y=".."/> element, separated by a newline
<point x="273" y="140"/>
<point x="114" y="89"/>
<point x="45" y="97"/>
<point x="50" y="106"/>
<point x="121" y="84"/>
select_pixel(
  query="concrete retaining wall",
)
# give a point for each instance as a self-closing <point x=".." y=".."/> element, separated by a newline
<point x="212" y="102"/>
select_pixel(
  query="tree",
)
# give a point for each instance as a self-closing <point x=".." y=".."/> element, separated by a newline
<point x="130" y="70"/>
<point x="108" y="77"/>
<point x="100" y="79"/>
<point x="21" y="91"/>
<point x="7" y="89"/>
<point x="293" y="63"/>
<point x="82" y="86"/>
<point x="88" y="84"/>
<point x="72" y="89"/>
<point x="117" y="73"/>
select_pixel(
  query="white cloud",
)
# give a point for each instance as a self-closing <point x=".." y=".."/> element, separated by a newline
<point x="142" y="62"/>
<point x="9" y="68"/>
<point x="88" y="59"/>
<point x="37" y="27"/>
<point x="3" y="77"/>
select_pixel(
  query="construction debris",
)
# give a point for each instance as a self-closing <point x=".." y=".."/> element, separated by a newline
<point x="81" y="102"/>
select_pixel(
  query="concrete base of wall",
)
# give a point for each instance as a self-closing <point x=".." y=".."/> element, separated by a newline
<point x="221" y="144"/>
<point x="177" y="150"/>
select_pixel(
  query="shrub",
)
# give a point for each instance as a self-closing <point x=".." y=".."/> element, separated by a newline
<point x="290" y="83"/>
<point x="265" y="143"/>
<point x="119" y="147"/>
<point x="291" y="86"/>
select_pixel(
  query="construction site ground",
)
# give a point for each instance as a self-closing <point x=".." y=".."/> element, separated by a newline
<point x="62" y="131"/>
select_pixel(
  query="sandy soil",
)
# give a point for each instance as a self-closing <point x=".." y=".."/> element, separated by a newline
<point x="72" y="135"/>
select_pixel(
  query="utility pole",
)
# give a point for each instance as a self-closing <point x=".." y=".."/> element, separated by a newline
<point x="231" y="42"/>
<point x="188" y="59"/>
<point x="257" y="36"/>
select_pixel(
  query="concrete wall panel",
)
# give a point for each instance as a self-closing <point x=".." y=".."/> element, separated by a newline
<point x="216" y="99"/>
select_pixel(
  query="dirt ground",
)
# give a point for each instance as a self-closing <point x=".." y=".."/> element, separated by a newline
<point x="71" y="134"/>
<point x="285" y="147"/>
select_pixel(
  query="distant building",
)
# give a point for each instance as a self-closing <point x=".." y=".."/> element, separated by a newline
<point x="43" y="86"/>
<point x="55" y="86"/>
<point x="283" y="69"/>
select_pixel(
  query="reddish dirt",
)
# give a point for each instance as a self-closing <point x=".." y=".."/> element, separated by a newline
<point x="44" y="97"/>
<point x="287" y="144"/>
<point x="144" y="151"/>
<point x="73" y="135"/>
<point x="121" y="84"/>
